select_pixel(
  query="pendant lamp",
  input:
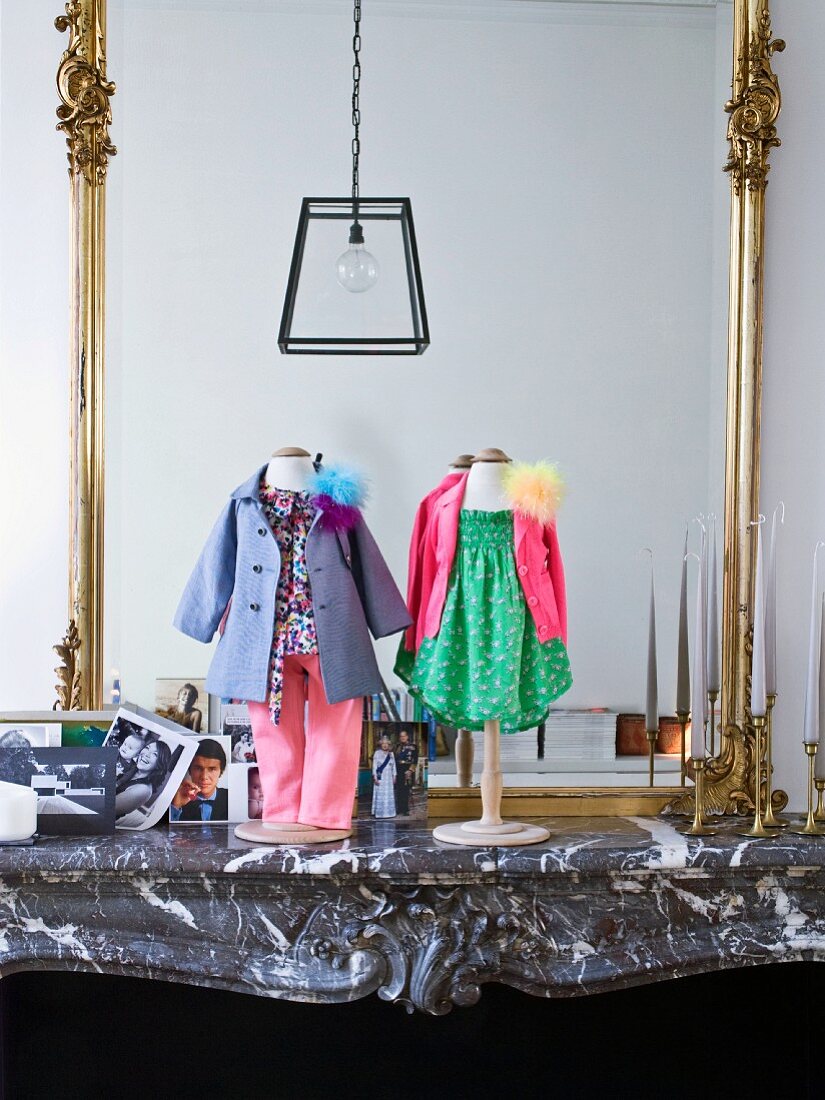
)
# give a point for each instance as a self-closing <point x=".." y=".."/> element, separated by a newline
<point x="354" y="282"/>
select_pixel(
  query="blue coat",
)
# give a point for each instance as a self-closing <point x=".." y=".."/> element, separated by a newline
<point x="353" y="592"/>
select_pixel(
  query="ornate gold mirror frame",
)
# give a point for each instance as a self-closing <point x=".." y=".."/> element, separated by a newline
<point x="85" y="114"/>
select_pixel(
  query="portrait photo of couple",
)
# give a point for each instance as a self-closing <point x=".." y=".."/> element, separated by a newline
<point x="393" y="778"/>
<point x="151" y="762"/>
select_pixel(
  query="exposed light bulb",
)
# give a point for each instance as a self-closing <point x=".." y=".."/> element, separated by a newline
<point x="357" y="269"/>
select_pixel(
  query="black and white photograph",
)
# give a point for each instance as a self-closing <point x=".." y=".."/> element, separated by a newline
<point x="75" y="787"/>
<point x="243" y="747"/>
<point x="152" y="759"/>
<point x="185" y="702"/>
<point x="203" y="793"/>
<point x="20" y="735"/>
<point x="246" y="796"/>
<point x="235" y="720"/>
<point x="392" y="779"/>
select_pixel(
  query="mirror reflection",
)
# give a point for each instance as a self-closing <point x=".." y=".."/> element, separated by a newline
<point x="564" y="166"/>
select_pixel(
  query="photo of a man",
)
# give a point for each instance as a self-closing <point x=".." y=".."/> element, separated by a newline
<point x="199" y="797"/>
<point x="406" y="764"/>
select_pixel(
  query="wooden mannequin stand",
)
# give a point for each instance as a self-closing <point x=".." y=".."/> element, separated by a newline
<point x="484" y="491"/>
<point x="281" y="832"/>
<point x="490" y="828"/>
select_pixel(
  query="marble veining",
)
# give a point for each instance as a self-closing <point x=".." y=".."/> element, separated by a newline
<point x="604" y="903"/>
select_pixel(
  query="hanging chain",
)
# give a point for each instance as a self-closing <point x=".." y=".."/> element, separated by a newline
<point x="356" y="94"/>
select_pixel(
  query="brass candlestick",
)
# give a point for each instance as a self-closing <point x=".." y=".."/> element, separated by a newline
<point x="811" y="827"/>
<point x="682" y="717"/>
<point x="699" y="826"/>
<point x="652" y="736"/>
<point x="770" y="819"/>
<point x="712" y="697"/>
<point x="819" y="812"/>
<point x="758" y="828"/>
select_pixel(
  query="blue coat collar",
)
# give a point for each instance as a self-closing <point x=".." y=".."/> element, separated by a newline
<point x="249" y="489"/>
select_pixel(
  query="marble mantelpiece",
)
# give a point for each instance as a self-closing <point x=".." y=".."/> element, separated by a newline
<point x="605" y="903"/>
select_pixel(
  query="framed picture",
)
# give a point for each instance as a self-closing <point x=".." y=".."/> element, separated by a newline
<point x="392" y="778"/>
<point x="75" y="787"/>
<point x="246" y="796"/>
<point x="203" y="793"/>
<point x="21" y="735"/>
<point x="73" y="728"/>
<point x="185" y="702"/>
<point x="87" y="732"/>
<point x="153" y="756"/>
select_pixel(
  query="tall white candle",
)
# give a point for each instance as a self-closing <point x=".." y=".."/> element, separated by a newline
<point x="810" y="725"/>
<point x="770" y="607"/>
<point x="819" y="762"/>
<point x="652" y="697"/>
<point x="714" y="679"/>
<point x="697" y="684"/>
<point x="18" y="812"/>
<point x="703" y="589"/>
<point x="683" y="662"/>
<point x="759" y="704"/>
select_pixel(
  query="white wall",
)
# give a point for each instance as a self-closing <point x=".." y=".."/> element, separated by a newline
<point x="793" y="440"/>
<point x="34" y="316"/>
<point x="563" y="171"/>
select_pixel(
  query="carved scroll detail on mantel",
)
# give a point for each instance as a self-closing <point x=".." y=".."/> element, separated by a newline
<point x="425" y="946"/>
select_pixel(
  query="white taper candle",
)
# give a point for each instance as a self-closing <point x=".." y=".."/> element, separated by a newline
<point x="714" y="679"/>
<point x="759" y="703"/>
<point x="819" y="762"/>
<point x="810" y="725"/>
<point x="652" y="695"/>
<point x="697" y="684"/>
<point x="683" y="660"/>
<point x="770" y="607"/>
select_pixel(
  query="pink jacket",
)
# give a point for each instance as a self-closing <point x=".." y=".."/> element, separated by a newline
<point x="538" y="564"/>
<point x="416" y="569"/>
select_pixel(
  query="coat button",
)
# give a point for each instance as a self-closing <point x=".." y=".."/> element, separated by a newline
<point x="543" y="629"/>
<point x="522" y="570"/>
<point x="256" y="568"/>
<point x="261" y="531"/>
<point x="532" y="601"/>
<point x="254" y="607"/>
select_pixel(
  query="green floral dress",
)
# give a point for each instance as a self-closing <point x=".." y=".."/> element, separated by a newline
<point x="486" y="661"/>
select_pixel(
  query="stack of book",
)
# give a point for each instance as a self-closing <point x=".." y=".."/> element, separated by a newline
<point x="514" y="746"/>
<point x="580" y="734"/>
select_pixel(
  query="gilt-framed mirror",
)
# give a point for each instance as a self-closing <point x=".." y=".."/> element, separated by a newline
<point x="593" y="281"/>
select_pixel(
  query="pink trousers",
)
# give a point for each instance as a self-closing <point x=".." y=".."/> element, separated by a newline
<point x="309" y="762"/>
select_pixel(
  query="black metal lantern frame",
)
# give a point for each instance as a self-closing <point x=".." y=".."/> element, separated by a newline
<point x="415" y="336"/>
<point x="375" y="306"/>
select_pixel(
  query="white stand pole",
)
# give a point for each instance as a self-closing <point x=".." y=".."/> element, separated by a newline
<point x="490" y="829"/>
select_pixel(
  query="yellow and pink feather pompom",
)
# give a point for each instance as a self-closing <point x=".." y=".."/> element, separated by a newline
<point x="535" y="489"/>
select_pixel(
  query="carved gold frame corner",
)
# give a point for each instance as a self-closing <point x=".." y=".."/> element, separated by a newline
<point x="85" y="116"/>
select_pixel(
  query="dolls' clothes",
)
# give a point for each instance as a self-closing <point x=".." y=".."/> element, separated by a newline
<point x="487" y="661"/>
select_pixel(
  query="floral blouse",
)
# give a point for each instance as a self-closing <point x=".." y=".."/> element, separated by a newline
<point x="290" y="514"/>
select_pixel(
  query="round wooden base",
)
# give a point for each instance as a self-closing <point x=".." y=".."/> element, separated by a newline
<point x="278" y="832"/>
<point x="476" y="835"/>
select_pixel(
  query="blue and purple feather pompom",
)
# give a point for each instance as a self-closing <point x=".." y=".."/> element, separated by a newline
<point x="339" y="492"/>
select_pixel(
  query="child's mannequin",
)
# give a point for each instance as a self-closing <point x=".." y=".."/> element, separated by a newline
<point x="289" y="468"/>
<point x="484" y="492"/>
